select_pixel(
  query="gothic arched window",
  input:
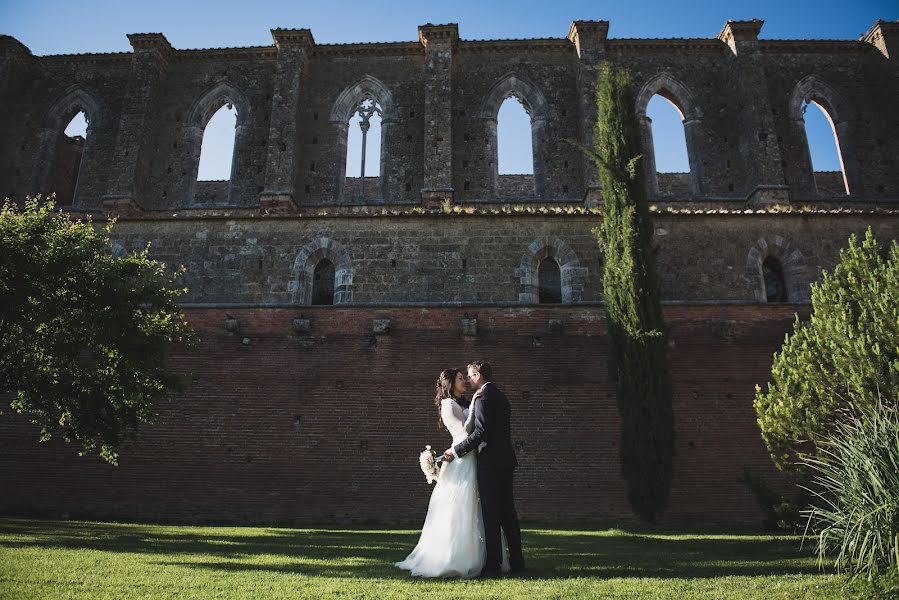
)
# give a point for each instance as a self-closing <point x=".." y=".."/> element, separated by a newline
<point x="824" y="150"/>
<point x="513" y="138"/>
<point x="549" y="281"/>
<point x="67" y="159"/>
<point x="669" y="146"/>
<point x="363" y="155"/>
<point x="773" y="277"/>
<point x="217" y="149"/>
<point x="323" y="283"/>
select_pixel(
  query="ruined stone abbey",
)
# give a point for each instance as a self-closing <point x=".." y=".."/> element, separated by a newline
<point x="326" y="303"/>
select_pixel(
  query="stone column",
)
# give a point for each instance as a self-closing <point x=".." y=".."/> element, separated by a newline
<point x="282" y="160"/>
<point x="589" y="39"/>
<point x="649" y="158"/>
<point x="439" y="42"/>
<point x="765" y="182"/>
<point x="130" y="158"/>
<point x="14" y="57"/>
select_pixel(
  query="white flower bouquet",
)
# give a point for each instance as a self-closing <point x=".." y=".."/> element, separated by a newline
<point x="428" y="462"/>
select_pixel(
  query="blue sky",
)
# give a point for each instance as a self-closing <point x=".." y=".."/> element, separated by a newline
<point x="63" y="27"/>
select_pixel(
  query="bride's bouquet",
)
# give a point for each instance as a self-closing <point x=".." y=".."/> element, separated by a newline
<point x="428" y="462"/>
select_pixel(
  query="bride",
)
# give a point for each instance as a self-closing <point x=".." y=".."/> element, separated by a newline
<point x="452" y="538"/>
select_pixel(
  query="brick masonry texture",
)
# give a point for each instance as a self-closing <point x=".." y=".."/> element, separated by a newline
<point x="279" y="424"/>
<point x="327" y="425"/>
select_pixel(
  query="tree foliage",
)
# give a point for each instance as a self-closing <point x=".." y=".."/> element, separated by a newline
<point x="84" y="335"/>
<point x="845" y="355"/>
<point x="638" y="343"/>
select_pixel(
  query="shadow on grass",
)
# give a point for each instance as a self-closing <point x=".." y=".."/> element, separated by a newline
<point x="370" y="553"/>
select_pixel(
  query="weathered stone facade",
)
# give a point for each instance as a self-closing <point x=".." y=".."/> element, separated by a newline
<point x="440" y="259"/>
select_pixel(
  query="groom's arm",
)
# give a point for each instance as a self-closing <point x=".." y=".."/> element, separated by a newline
<point x="479" y="434"/>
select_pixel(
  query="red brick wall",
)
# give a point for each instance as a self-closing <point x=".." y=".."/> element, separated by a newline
<point x="228" y="450"/>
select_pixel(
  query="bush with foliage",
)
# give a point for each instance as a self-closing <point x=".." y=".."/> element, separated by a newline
<point x="84" y="335"/>
<point x="849" y="350"/>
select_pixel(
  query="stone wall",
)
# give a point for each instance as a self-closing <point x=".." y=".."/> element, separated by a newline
<point x="450" y="258"/>
<point x="741" y="98"/>
<point x="326" y="425"/>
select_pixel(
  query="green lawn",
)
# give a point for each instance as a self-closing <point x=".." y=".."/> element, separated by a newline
<point x="68" y="559"/>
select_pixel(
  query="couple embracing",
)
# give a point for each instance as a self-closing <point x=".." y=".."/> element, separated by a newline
<point x="471" y="511"/>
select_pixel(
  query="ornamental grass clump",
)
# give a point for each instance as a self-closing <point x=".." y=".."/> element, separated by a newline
<point x="855" y="514"/>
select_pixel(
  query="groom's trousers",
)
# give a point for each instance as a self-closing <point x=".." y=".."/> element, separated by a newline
<point x="498" y="511"/>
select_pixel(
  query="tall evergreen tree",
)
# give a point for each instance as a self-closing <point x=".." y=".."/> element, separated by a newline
<point x="638" y="344"/>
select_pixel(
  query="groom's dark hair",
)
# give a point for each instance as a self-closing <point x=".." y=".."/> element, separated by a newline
<point x="483" y="367"/>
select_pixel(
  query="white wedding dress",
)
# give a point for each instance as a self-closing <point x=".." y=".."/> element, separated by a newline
<point x="452" y="538"/>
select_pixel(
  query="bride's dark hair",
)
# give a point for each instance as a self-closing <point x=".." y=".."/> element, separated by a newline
<point x="446" y="382"/>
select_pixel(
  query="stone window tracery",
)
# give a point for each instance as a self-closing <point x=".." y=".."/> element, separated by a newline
<point x="373" y="98"/>
<point x="363" y="159"/>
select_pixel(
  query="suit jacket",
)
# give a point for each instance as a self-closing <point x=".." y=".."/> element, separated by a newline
<point x="492" y="425"/>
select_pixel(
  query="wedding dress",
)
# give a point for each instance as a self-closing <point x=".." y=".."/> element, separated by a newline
<point x="452" y="537"/>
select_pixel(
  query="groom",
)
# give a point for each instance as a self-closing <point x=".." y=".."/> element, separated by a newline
<point x="496" y="463"/>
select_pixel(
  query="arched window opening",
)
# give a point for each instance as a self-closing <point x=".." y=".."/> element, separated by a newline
<point x="363" y="156"/>
<point x="773" y="278"/>
<point x="514" y="149"/>
<point x="824" y="150"/>
<point x="217" y="149"/>
<point x="669" y="146"/>
<point x="67" y="160"/>
<point x="323" y="283"/>
<point x="513" y="138"/>
<point x="549" y="281"/>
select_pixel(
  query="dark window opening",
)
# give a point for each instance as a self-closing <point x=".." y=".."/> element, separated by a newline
<point x="323" y="283"/>
<point x="775" y="284"/>
<point x="549" y="281"/>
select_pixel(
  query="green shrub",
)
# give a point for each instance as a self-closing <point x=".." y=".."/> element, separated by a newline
<point x="849" y="349"/>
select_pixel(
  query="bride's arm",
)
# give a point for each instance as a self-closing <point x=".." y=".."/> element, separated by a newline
<point x="450" y="418"/>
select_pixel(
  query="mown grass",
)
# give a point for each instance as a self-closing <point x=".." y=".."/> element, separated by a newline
<point x="70" y="559"/>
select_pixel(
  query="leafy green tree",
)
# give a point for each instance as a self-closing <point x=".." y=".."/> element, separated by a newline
<point x="84" y="335"/>
<point x="638" y="358"/>
<point x="847" y="354"/>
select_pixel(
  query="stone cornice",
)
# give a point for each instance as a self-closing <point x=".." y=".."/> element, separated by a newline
<point x="246" y="53"/>
<point x="109" y="57"/>
<point x="552" y="210"/>
<point x="665" y="43"/>
<point x="820" y="46"/>
<point x="553" y="44"/>
<point x="381" y="48"/>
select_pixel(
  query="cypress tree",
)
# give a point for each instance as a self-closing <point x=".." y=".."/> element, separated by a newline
<point x="637" y="341"/>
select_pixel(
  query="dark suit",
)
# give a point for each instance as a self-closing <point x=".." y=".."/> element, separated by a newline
<point x="496" y="465"/>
